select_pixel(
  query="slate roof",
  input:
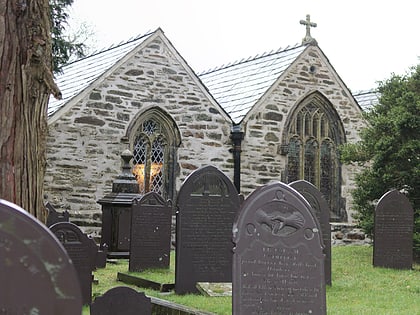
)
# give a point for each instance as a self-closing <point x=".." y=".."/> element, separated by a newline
<point x="367" y="99"/>
<point x="239" y="86"/>
<point x="236" y="87"/>
<point x="78" y="75"/>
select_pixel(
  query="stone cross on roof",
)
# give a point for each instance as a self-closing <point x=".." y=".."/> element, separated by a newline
<point x="308" y="39"/>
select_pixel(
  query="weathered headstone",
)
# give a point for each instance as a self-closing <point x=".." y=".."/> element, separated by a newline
<point x="321" y="210"/>
<point x="151" y="218"/>
<point x="393" y="232"/>
<point x="36" y="275"/>
<point x="278" y="261"/>
<point x="207" y="205"/>
<point x="100" y="259"/>
<point x="82" y="251"/>
<point x="121" y="301"/>
<point x="54" y="216"/>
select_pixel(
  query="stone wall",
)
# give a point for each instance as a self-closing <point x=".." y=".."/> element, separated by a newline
<point x="265" y="124"/>
<point x="87" y="137"/>
<point x="85" y="142"/>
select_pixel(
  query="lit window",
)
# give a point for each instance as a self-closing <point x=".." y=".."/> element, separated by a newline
<point x="149" y="157"/>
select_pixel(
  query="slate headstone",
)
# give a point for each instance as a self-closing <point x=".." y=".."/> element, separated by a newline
<point x="121" y="301"/>
<point x="278" y="261"/>
<point x="36" y="275"/>
<point x="321" y="211"/>
<point x="151" y="218"/>
<point x="100" y="259"/>
<point x="207" y="205"/>
<point x="54" y="216"/>
<point x="393" y="232"/>
<point x="82" y="250"/>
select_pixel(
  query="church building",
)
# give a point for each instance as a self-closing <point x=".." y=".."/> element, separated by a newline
<point x="277" y="116"/>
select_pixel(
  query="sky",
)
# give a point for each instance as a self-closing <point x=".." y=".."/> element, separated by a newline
<point x="365" y="40"/>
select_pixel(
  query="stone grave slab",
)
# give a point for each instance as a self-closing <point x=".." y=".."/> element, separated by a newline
<point x="121" y="301"/>
<point x="278" y="261"/>
<point x="207" y="205"/>
<point x="393" y="232"/>
<point x="144" y="283"/>
<point x="82" y="250"/>
<point x="54" y="216"/>
<point x="321" y="210"/>
<point x="36" y="274"/>
<point x="150" y="244"/>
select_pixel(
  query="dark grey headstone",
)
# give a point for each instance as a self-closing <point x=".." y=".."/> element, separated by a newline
<point x="393" y="232"/>
<point x="36" y="275"/>
<point x="82" y="250"/>
<point x="150" y="245"/>
<point x="100" y="259"/>
<point x="278" y="261"/>
<point x="321" y="210"/>
<point x="207" y="205"/>
<point x="54" y="216"/>
<point x="121" y="301"/>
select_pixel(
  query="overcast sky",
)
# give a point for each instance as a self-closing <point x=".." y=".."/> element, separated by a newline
<point x="365" y="40"/>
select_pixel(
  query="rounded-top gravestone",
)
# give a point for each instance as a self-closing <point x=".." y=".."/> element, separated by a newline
<point x="278" y="261"/>
<point x="36" y="275"/>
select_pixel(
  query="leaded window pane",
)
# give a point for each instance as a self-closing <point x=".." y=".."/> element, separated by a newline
<point x="150" y="127"/>
<point x="156" y="173"/>
<point x="139" y="158"/>
<point x="148" y="157"/>
<point x="309" y="162"/>
<point x="293" y="166"/>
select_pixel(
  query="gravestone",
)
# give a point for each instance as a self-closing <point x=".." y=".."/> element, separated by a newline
<point x="278" y="261"/>
<point x="121" y="301"/>
<point x="321" y="210"/>
<point x="82" y="250"/>
<point x="54" y="216"/>
<point x="100" y="259"/>
<point x="150" y="245"/>
<point x="207" y="205"/>
<point x="393" y="232"/>
<point x="36" y="275"/>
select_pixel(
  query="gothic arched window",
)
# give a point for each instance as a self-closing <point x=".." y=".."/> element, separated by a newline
<point x="154" y="138"/>
<point x="313" y="133"/>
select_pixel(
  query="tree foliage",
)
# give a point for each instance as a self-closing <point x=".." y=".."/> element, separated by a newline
<point x="390" y="149"/>
<point x="62" y="47"/>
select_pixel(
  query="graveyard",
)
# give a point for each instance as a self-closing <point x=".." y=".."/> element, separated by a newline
<point x="269" y="253"/>
<point x="358" y="287"/>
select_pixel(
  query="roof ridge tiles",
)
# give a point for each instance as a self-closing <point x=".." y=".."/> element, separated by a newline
<point x="246" y="59"/>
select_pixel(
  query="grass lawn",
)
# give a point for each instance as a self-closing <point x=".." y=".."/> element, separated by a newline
<point x="357" y="288"/>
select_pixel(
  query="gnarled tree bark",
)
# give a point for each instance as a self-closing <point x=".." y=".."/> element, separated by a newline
<point x="26" y="81"/>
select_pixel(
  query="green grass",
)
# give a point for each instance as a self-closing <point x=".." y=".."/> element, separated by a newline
<point x="357" y="287"/>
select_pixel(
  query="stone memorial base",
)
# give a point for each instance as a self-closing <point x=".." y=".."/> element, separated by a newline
<point x="215" y="288"/>
<point x="145" y="283"/>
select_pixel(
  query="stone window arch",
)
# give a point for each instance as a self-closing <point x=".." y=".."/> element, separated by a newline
<point x="154" y="137"/>
<point x="311" y="137"/>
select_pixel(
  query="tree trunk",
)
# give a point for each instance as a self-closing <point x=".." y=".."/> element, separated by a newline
<point x="26" y="82"/>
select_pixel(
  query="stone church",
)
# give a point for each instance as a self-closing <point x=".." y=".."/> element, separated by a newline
<point x="276" y="116"/>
